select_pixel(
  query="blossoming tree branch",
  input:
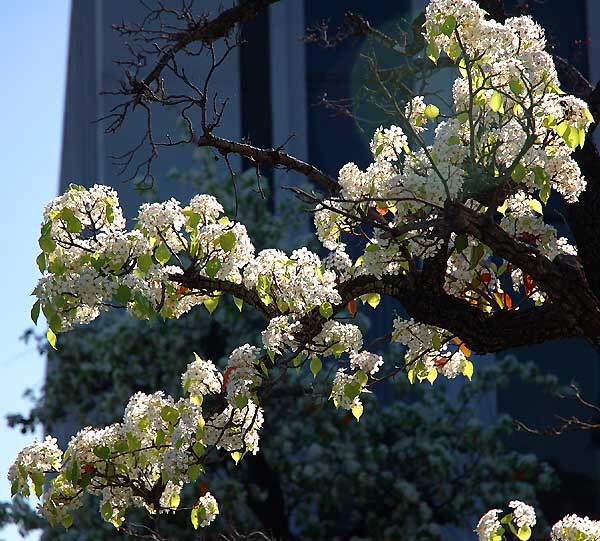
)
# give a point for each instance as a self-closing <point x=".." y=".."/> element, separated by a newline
<point x="450" y="219"/>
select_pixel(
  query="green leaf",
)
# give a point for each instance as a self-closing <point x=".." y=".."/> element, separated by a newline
<point x="110" y="213"/>
<point x="38" y="482"/>
<point x="463" y="117"/>
<point x="51" y="336"/>
<point x="46" y="243"/>
<point x="240" y="401"/>
<point x="282" y="306"/>
<point x="123" y="294"/>
<point x="35" y="311"/>
<point x="41" y="261"/>
<point x="213" y="267"/>
<point x="461" y="242"/>
<point x="263" y="288"/>
<point x="476" y="255"/>
<point x="515" y="86"/>
<point x="73" y="225"/>
<point x="67" y="522"/>
<point x="431" y="111"/>
<point x="352" y="390"/>
<point x="237" y="456"/>
<point x="175" y="499"/>
<point x="453" y="140"/>
<point x="160" y="438"/>
<point x="326" y="310"/>
<point x="496" y="102"/>
<point x="102" y="451"/>
<point x="144" y="262"/>
<point x="14" y="488"/>
<point x="56" y="266"/>
<point x="337" y="349"/>
<point x="540" y="176"/>
<point x="193" y="472"/>
<point x="433" y="53"/>
<point x="193" y="220"/>
<point x="106" y="511"/>
<point x="453" y="50"/>
<point x="121" y="446"/>
<point x="588" y="115"/>
<point x="227" y="241"/>
<point x="211" y="304"/>
<point x="562" y="127"/>
<point x="449" y="25"/>
<point x="519" y="173"/>
<point x="315" y="365"/>
<point x="169" y="414"/>
<point x="571" y="137"/>
<point x="239" y="303"/>
<point x="162" y="254"/>
<point x="199" y="448"/>
<point x="545" y="193"/>
<point x="362" y="377"/>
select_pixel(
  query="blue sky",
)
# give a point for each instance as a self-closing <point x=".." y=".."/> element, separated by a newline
<point x="33" y="65"/>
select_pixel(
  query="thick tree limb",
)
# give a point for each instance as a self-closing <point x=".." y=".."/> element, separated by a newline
<point x="562" y="279"/>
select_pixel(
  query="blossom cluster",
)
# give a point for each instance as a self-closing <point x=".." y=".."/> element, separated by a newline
<point x="508" y="89"/>
<point x="431" y="351"/>
<point x="90" y="261"/>
<point x="522" y="519"/>
<point x="146" y="459"/>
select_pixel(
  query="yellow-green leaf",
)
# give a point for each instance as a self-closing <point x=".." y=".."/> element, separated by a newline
<point x="227" y="241"/>
<point x="515" y="86"/>
<point x="51" y="338"/>
<point x="502" y="208"/>
<point x="536" y="206"/>
<point x="524" y="533"/>
<point x="211" y="304"/>
<point x="372" y="299"/>
<point x="357" y="411"/>
<point x="315" y="365"/>
<point x="162" y="253"/>
<point x="431" y="111"/>
<point x="468" y="369"/>
<point x="326" y="310"/>
<point x="496" y="102"/>
<point x="519" y="173"/>
<point x="432" y="375"/>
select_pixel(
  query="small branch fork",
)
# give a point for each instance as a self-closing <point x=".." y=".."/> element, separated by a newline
<point x="570" y="424"/>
